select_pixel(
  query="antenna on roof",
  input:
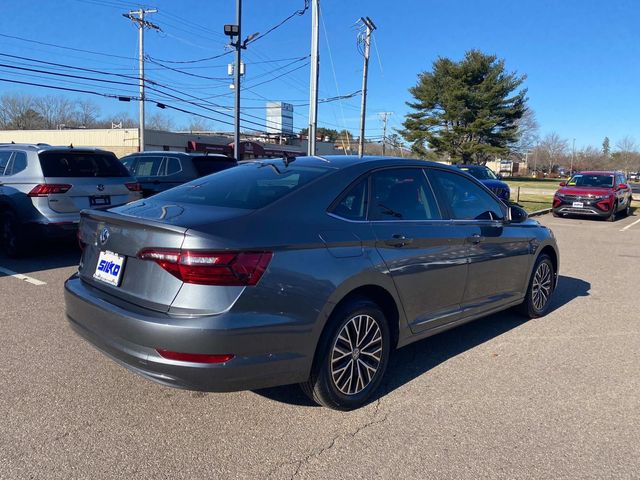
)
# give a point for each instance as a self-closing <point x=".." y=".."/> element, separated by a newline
<point x="71" y="145"/>
<point x="13" y="142"/>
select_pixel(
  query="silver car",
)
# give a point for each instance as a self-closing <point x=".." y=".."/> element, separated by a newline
<point x="44" y="188"/>
<point x="308" y="270"/>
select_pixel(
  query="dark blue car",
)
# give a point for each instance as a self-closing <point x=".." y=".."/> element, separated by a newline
<point x="489" y="179"/>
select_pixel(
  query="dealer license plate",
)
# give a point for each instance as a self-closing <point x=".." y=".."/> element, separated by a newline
<point x="109" y="268"/>
<point x="578" y="204"/>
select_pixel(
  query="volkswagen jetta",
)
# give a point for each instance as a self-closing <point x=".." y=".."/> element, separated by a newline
<point x="308" y="270"/>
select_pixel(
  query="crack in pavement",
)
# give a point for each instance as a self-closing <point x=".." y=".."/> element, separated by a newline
<point x="319" y="452"/>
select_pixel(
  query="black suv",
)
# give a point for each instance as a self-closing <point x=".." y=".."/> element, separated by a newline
<point x="159" y="171"/>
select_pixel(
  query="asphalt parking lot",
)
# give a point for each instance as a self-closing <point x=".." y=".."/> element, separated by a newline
<point x="556" y="397"/>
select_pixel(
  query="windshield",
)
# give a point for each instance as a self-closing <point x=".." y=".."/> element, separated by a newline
<point x="585" y="180"/>
<point x="81" y="164"/>
<point x="481" y="173"/>
<point x="248" y="186"/>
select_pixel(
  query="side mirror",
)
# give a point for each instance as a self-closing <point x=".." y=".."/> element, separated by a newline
<point x="499" y="176"/>
<point x="622" y="186"/>
<point x="563" y="184"/>
<point x="516" y="214"/>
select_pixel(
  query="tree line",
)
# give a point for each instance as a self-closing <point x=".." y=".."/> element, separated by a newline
<point x="50" y="112"/>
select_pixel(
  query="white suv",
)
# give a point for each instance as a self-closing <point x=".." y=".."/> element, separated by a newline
<point x="44" y="188"/>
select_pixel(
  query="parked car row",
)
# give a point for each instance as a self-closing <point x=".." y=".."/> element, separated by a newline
<point x="44" y="188"/>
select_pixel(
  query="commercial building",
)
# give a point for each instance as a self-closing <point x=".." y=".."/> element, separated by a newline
<point x="123" y="141"/>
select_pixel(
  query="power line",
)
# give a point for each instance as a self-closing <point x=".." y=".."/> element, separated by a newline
<point x="298" y="13"/>
<point x="66" y="48"/>
<point x="191" y="61"/>
<point x="107" y="95"/>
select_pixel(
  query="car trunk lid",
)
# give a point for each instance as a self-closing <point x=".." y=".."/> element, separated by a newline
<point x="141" y="282"/>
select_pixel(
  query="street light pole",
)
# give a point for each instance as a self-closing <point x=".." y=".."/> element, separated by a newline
<point x="573" y="154"/>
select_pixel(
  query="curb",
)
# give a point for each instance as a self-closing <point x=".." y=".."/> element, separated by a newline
<point x="544" y="211"/>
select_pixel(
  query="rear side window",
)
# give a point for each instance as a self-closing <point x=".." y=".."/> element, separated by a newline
<point x="207" y="165"/>
<point x="81" y="164"/>
<point x="4" y="161"/>
<point x="249" y="186"/>
<point x="18" y="164"/>
<point x="172" y="165"/>
<point x="353" y="204"/>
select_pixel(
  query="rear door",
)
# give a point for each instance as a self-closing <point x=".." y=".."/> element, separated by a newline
<point x="499" y="252"/>
<point x="89" y="179"/>
<point x="424" y="255"/>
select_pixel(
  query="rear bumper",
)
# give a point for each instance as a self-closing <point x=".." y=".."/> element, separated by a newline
<point x="268" y="350"/>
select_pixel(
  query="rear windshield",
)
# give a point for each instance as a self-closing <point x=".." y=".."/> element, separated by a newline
<point x="81" y="164"/>
<point x="248" y="186"/>
<point x="207" y="165"/>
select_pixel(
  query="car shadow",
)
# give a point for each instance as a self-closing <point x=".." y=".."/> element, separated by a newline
<point x="46" y="255"/>
<point x="418" y="358"/>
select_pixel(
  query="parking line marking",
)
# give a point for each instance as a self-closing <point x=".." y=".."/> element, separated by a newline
<point x="630" y="225"/>
<point x="19" y="276"/>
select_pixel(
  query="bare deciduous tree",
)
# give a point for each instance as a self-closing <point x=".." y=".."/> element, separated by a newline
<point x="553" y="148"/>
<point x="159" y="121"/>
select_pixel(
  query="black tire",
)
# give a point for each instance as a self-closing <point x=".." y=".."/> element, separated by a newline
<point x="614" y="213"/>
<point x="531" y="307"/>
<point x="323" y="387"/>
<point x="11" y="235"/>
<point x="627" y="211"/>
<point x="555" y="214"/>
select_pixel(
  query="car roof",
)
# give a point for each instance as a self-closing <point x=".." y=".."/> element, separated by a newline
<point x="184" y="154"/>
<point x="344" y="161"/>
<point x="44" y="147"/>
<point x="598" y="172"/>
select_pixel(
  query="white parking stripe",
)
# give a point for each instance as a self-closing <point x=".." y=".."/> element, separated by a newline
<point x="630" y="225"/>
<point x="19" y="276"/>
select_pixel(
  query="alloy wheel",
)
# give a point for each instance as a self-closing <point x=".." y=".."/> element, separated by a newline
<point x="356" y="354"/>
<point x="542" y="284"/>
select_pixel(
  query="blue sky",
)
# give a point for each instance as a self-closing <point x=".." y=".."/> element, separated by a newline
<point x="581" y="57"/>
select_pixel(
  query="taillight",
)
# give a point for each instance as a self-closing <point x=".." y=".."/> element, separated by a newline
<point x="133" y="186"/>
<point x="195" y="357"/>
<point x="211" y="268"/>
<point x="44" y="189"/>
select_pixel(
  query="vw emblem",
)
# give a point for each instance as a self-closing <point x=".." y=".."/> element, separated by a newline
<point x="104" y="235"/>
<point x="100" y="187"/>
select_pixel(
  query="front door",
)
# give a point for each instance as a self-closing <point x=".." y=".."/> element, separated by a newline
<point x="421" y="252"/>
<point x="499" y="253"/>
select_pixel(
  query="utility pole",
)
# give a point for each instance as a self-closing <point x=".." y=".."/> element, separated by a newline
<point x="313" y="81"/>
<point x="384" y="116"/>
<point x="370" y="27"/>
<point x="573" y="154"/>
<point x="142" y="24"/>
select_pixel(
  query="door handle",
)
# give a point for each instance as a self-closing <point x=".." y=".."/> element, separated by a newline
<point x="398" y="240"/>
<point x="476" y="238"/>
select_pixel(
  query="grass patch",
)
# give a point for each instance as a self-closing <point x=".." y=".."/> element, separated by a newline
<point x="532" y="203"/>
<point x="546" y="184"/>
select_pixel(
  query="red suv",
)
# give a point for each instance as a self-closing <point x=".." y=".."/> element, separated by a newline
<point x="599" y="194"/>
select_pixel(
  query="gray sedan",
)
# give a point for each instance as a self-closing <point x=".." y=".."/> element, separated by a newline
<point x="308" y="270"/>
